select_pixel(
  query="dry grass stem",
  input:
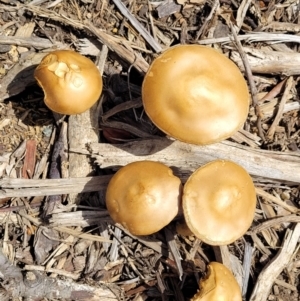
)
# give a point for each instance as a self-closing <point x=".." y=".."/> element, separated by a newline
<point x="267" y="277"/>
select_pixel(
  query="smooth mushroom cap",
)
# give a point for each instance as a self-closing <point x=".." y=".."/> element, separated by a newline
<point x="144" y="197"/>
<point x="195" y="94"/>
<point x="219" y="202"/>
<point x="71" y="82"/>
<point x="218" y="285"/>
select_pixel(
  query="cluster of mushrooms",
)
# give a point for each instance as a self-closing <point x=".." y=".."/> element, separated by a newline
<point x="218" y="202"/>
<point x="191" y="98"/>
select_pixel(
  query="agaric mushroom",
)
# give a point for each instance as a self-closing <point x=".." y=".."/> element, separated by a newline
<point x="195" y="94"/>
<point x="218" y="285"/>
<point x="143" y="197"/>
<point x="71" y="82"/>
<point x="219" y="202"/>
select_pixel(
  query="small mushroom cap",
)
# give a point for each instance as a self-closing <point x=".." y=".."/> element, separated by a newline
<point x="218" y="285"/>
<point x="219" y="202"/>
<point x="195" y="94"/>
<point x="71" y="82"/>
<point x="143" y="197"/>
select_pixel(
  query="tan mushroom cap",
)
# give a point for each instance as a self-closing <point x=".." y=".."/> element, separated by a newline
<point x="71" y="82"/>
<point x="195" y="94"/>
<point x="144" y="197"/>
<point x="219" y="285"/>
<point x="219" y="202"/>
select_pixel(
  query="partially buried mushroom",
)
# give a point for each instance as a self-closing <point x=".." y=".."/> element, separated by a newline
<point x="219" y="202"/>
<point x="143" y="197"/>
<point x="218" y="285"/>
<point x="71" y="82"/>
<point x="195" y="94"/>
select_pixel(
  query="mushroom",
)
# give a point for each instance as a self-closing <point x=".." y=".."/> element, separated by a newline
<point x="219" y="202"/>
<point x="195" y="94"/>
<point x="143" y="197"/>
<point x="71" y="82"/>
<point x="218" y="285"/>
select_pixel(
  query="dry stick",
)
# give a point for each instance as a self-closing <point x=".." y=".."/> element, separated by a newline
<point x="34" y="42"/>
<point x="185" y="158"/>
<point x="37" y="2"/>
<point x="251" y="83"/>
<point x="291" y="218"/>
<point x="241" y="13"/>
<point x="27" y="187"/>
<point x="79" y="218"/>
<point x="270" y="62"/>
<point x="269" y="274"/>
<point x="278" y="116"/>
<point x="137" y="25"/>
<point x="269" y="197"/>
<point x="246" y="267"/>
<point x="54" y="3"/>
<point x="83" y="129"/>
<point x="202" y="30"/>
<point x="286" y="285"/>
<point x="102" y="59"/>
<point x="256" y="37"/>
<point x="183" y="34"/>
<point x="151" y="21"/>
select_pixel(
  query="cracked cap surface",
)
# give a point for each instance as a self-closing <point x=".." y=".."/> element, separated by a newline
<point x="71" y="82"/>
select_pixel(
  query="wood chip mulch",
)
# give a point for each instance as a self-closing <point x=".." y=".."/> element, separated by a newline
<point x="57" y="240"/>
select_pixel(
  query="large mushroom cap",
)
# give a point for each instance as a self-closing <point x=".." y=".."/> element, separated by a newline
<point x="195" y="94"/>
<point x="71" y="82"/>
<point x="219" y="202"/>
<point x="219" y="285"/>
<point x="143" y="196"/>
